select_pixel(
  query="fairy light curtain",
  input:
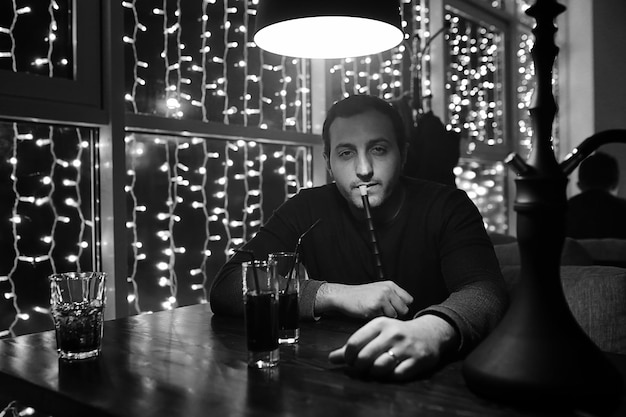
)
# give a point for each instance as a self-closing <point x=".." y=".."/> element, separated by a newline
<point x="475" y="81"/>
<point x="185" y="60"/>
<point x="36" y="37"/>
<point x="196" y="60"/>
<point x="525" y="90"/>
<point x="47" y="219"/>
<point x="485" y="183"/>
<point x="388" y="74"/>
<point x="46" y="174"/>
<point x="526" y="71"/>
<point x="192" y="201"/>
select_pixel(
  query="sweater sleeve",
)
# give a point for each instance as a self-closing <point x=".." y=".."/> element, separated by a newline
<point x="478" y="298"/>
<point x="473" y="311"/>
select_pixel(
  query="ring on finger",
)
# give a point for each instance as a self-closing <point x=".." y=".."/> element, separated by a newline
<point x="393" y="356"/>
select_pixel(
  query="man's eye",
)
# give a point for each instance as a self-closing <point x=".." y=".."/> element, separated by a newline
<point x="345" y="154"/>
<point x="379" y="150"/>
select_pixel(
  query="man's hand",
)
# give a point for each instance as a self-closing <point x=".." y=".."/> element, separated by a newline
<point x="399" y="350"/>
<point x="384" y="298"/>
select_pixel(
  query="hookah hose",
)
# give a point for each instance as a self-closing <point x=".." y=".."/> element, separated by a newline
<point x="370" y="225"/>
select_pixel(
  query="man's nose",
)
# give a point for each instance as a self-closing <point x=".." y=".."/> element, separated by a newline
<point x="364" y="168"/>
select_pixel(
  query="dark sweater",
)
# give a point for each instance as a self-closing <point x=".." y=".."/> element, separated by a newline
<point x="436" y="248"/>
<point x="596" y="214"/>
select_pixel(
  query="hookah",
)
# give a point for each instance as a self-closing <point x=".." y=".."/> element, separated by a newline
<point x="538" y="355"/>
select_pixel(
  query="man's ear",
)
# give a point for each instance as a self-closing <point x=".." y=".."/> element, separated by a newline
<point x="327" y="160"/>
<point x="405" y="153"/>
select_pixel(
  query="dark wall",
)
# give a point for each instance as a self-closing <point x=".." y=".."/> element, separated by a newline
<point x="609" y="42"/>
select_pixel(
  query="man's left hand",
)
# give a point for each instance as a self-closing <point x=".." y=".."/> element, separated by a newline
<point x="400" y="350"/>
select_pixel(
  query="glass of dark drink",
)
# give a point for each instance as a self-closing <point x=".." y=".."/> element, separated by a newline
<point x="282" y="266"/>
<point x="77" y="302"/>
<point x="260" y="297"/>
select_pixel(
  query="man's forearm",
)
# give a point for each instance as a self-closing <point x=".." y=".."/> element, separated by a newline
<point x="324" y="299"/>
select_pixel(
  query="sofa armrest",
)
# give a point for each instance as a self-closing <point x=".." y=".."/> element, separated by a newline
<point x="572" y="254"/>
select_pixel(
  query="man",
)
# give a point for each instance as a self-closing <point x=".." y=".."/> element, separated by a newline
<point x="596" y="212"/>
<point x="442" y="292"/>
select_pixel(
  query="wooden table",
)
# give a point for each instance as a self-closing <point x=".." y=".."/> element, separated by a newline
<point x="187" y="362"/>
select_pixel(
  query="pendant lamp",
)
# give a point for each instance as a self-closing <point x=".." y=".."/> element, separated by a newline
<point x="328" y="28"/>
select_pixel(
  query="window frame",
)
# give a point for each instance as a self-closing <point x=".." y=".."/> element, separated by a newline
<point x="56" y="99"/>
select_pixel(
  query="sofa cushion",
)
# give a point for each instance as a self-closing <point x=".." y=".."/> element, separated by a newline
<point x="572" y="254"/>
<point x="596" y="296"/>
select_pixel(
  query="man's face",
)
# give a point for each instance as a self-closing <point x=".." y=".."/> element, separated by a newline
<point x="363" y="150"/>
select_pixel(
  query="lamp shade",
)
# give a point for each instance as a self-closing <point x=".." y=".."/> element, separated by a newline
<point x="328" y="28"/>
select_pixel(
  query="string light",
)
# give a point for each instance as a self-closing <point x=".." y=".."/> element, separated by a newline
<point x="49" y="176"/>
<point x="279" y="85"/>
<point x="525" y="90"/>
<point x="474" y="86"/>
<point x="193" y="201"/>
<point x="485" y="184"/>
<point x="209" y="68"/>
<point x="52" y="57"/>
<point x="475" y="81"/>
<point x="389" y="74"/>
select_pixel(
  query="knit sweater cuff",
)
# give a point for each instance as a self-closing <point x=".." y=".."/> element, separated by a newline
<point x="456" y="321"/>
<point x="308" y="292"/>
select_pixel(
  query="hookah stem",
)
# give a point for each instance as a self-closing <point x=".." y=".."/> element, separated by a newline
<point x="370" y="225"/>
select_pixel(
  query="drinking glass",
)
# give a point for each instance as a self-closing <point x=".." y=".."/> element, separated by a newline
<point x="282" y="266"/>
<point x="77" y="305"/>
<point x="260" y="297"/>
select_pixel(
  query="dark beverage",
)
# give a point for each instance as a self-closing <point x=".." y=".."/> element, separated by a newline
<point x="288" y="311"/>
<point x="261" y="322"/>
<point x="78" y="328"/>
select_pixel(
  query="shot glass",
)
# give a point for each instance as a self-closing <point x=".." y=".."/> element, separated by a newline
<point x="77" y="302"/>
<point x="260" y="297"/>
<point x="282" y="267"/>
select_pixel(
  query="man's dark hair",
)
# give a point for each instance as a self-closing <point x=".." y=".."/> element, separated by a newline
<point x="599" y="170"/>
<point x="359" y="104"/>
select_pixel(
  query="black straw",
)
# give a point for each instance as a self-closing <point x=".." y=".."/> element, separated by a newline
<point x="296" y="253"/>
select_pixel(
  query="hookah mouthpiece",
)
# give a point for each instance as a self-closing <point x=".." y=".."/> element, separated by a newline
<point x="370" y="224"/>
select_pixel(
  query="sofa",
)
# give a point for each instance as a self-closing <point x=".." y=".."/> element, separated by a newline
<point x="593" y="275"/>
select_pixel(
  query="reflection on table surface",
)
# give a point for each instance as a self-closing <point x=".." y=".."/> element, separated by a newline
<point x="187" y="362"/>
